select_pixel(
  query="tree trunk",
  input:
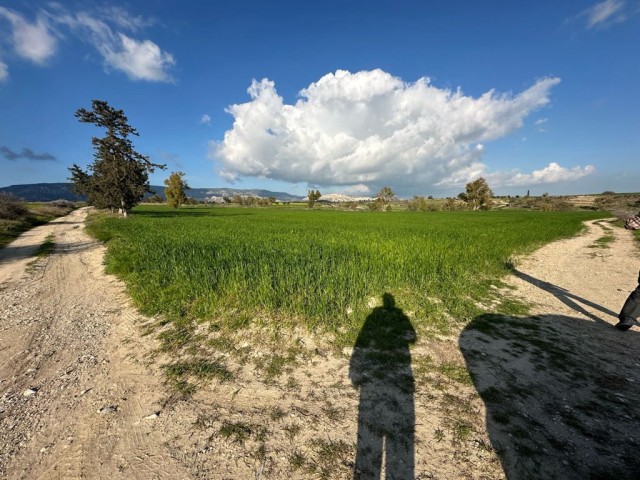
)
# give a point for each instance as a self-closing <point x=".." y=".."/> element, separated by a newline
<point x="123" y="210"/>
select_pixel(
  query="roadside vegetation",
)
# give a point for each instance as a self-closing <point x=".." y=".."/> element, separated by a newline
<point x="17" y="216"/>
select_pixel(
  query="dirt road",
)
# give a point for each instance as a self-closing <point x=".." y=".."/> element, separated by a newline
<point x="80" y="397"/>
<point x="73" y="391"/>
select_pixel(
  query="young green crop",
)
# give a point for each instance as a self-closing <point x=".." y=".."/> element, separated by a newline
<point x="320" y="268"/>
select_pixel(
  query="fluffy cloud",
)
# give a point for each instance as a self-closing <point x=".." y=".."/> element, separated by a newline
<point x="370" y="129"/>
<point x="33" y="41"/>
<point x="552" y="173"/>
<point x="26" y="153"/>
<point x="205" y="119"/>
<point x="605" y="13"/>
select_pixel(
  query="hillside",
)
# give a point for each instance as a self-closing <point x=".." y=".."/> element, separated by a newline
<point x="46" y="192"/>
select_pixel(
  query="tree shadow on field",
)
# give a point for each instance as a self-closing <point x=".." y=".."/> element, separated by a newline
<point x="381" y="368"/>
<point x="562" y="395"/>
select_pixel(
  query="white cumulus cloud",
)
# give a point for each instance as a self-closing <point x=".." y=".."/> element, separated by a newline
<point x="205" y="119"/>
<point x="33" y="41"/>
<point x="370" y="129"/>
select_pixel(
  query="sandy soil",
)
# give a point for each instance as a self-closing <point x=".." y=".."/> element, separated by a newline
<point x="552" y="395"/>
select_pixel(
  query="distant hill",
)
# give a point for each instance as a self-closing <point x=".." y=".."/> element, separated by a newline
<point x="46" y="192"/>
<point x="43" y="192"/>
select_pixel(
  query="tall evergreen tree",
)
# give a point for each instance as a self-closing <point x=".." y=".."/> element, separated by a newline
<point x="118" y="178"/>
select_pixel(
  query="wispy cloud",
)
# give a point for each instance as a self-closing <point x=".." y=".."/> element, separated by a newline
<point x="370" y="129"/>
<point x="205" y="119"/>
<point x="123" y="19"/>
<point x="138" y="59"/>
<point x="33" y="41"/>
<point x="104" y="29"/>
<point x="171" y="158"/>
<point x="26" y="154"/>
<point x="4" y="72"/>
<point x="605" y="14"/>
<point x="541" y="121"/>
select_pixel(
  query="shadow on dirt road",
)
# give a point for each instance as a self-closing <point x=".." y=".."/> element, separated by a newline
<point x="562" y="394"/>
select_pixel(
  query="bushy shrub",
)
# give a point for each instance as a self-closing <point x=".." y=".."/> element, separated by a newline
<point x="11" y="208"/>
<point x="62" y="203"/>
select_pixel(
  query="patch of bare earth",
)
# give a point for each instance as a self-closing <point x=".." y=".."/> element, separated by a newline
<point x="84" y="394"/>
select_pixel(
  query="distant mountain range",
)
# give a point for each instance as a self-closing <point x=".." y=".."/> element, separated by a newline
<point x="46" y="192"/>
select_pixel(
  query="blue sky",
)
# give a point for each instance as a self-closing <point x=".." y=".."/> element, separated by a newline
<point x="344" y="96"/>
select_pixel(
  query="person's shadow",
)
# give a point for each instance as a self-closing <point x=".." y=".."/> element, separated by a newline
<point x="562" y="394"/>
<point x="381" y="368"/>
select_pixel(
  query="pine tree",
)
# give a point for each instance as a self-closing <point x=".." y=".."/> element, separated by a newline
<point x="118" y="178"/>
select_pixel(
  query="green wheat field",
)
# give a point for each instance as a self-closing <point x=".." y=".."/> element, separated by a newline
<point x="321" y="269"/>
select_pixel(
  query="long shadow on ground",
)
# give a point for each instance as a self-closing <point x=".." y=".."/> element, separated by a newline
<point x="381" y="368"/>
<point x="571" y="300"/>
<point x="562" y="395"/>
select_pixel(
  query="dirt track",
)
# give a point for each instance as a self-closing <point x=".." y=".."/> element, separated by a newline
<point x="78" y="392"/>
<point x="67" y="333"/>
